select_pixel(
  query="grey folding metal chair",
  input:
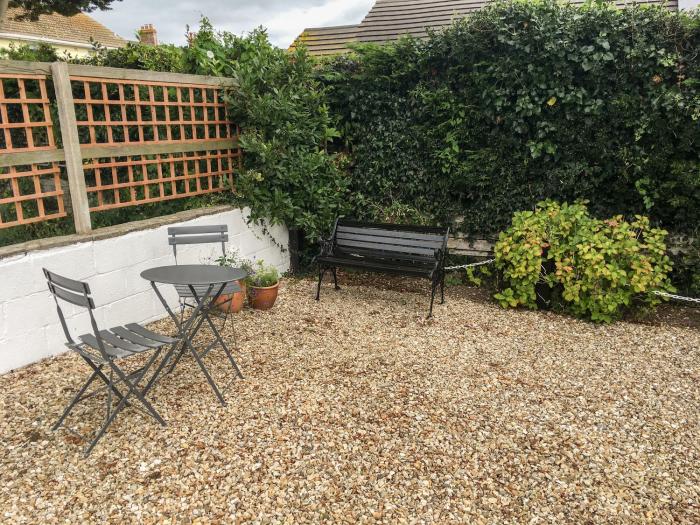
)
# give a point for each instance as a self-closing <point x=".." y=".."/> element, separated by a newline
<point x="188" y="235"/>
<point x="104" y="351"/>
<point x="190" y="295"/>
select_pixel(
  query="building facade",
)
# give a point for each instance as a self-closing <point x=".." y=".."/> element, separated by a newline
<point x="75" y="35"/>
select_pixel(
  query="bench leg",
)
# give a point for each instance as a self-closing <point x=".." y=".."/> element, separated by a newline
<point x="442" y="289"/>
<point x="335" y="278"/>
<point x="432" y="297"/>
<point x="321" y="273"/>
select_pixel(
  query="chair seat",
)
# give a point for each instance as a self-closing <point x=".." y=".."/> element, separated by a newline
<point x="124" y="341"/>
<point x="185" y="292"/>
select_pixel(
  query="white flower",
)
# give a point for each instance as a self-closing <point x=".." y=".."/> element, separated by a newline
<point x="210" y="54"/>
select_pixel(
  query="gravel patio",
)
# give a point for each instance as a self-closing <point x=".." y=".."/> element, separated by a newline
<point x="357" y="410"/>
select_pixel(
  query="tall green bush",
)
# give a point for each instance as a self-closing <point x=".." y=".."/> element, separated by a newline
<point x="289" y="176"/>
<point x="524" y="101"/>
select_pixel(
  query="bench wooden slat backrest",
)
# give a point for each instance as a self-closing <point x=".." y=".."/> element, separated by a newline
<point x="418" y="243"/>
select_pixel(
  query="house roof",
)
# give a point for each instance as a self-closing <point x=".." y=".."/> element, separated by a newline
<point x="326" y="40"/>
<point x="79" y="29"/>
<point x="391" y="19"/>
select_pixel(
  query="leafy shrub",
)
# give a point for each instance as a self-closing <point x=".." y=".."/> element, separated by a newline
<point x="134" y="55"/>
<point x="599" y="268"/>
<point x="289" y="176"/>
<point x="526" y="101"/>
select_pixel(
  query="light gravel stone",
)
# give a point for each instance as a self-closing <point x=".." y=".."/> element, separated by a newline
<point x="358" y="410"/>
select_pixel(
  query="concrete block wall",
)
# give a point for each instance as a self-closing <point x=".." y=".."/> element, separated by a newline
<point x="29" y="326"/>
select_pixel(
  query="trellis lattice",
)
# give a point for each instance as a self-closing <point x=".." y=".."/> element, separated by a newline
<point x="117" y="182"/>
<point x="25" y="114"/>
<point x="29" y="192"/>
<point x="128" y="137"/>
<point x="115" y="111"/>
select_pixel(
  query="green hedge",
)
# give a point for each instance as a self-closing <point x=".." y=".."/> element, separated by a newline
<point x="527" y="101"/>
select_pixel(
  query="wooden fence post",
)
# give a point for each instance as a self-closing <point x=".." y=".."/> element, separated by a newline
<point x="71" y="147"/>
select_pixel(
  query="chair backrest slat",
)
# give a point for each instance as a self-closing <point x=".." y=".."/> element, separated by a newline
<point x="194" y="230"/>
<point x="198" y="239"/>
<point x="70" y="297"/>
<point x="71" y="291"/>
<point x="180" y="235"/>
<point x="68" y="284"/>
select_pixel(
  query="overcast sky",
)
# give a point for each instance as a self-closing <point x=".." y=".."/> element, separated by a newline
<point x="284" y="19"/>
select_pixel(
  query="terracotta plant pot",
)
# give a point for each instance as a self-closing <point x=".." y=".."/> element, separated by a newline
<point x="263" y="298"/>
<point x="232" y="303"/>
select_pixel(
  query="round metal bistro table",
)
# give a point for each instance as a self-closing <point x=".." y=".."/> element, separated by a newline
<point x="205" y="284"/>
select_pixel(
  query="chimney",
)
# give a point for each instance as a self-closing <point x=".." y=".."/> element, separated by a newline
<point x="148" y="35"/>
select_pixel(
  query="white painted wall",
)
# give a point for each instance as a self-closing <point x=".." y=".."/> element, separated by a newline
<point x="29" y="326"/>
<point x="688" y="4"/>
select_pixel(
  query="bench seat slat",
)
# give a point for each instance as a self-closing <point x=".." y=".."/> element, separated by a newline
<point x="401" y="234"/>
<point x="411" y="258"/>
<point x="411" y="228"/>
<point x="379" y="265"/>
<point x="372" y="246"/>
<point x="399" y="241"/>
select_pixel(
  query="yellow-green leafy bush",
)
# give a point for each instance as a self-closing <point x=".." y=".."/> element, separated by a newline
<point x="599" y="268"/>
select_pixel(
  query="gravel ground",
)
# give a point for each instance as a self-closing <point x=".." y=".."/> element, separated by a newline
<point x="358" y="410"/>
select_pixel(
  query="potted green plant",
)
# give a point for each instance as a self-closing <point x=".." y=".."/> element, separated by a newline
<point x="263" y="285"/>
<point x="233" y="303"/>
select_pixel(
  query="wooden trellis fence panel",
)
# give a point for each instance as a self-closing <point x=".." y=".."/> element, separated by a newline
<point x="129" y="137"/>
<point x="30" y="190"/>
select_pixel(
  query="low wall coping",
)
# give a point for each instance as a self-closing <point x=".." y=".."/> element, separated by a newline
<point x="109" y="232"/>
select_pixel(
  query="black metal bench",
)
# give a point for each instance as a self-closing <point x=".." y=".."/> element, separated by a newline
<point x="417" y="251"/>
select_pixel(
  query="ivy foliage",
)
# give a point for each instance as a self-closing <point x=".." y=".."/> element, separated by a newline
<point x="526" y="101"/>
<point x="600" y="269"/>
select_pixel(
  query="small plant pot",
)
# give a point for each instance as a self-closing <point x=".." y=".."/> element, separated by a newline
<point x="232" y="303"/>
<point x="263" y="298"/>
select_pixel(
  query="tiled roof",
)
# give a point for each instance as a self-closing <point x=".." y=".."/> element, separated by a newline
<point x="326" y="40"/>
<point x="390" y="19"/>
<point x="78" y="29"/>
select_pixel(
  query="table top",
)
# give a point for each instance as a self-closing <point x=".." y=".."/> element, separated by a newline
<point x="194" y="274"/>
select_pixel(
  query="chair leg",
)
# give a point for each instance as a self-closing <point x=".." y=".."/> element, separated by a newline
<point x="335" y="278"/>
<point x="321" y="273"/>
<point x="223" y="345"/>
<point x="133" y="389"/>
<point x="75" y="400"/>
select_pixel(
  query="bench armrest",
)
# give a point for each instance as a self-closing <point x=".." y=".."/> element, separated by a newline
<point x="326" y="246"/>
<point x="439" y="259"/>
